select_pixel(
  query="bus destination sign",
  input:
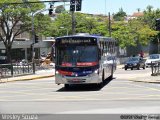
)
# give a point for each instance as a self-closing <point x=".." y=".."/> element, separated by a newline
<point x="77" y="40"/>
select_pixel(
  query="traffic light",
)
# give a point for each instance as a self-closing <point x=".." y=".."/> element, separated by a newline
<point x="158" y="24"/>
<point x="36" y="38"/>
<point x="50" y="10"/>
<point x="72" y="5"/>
<point x="78" y="5"/>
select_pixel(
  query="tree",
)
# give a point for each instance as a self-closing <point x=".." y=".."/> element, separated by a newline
<point x="43" y="24"/>
<point x="149" y="18"/>
<point x="122" y="33"/>
<point x="62" y="20"/>
<point x="59" y="9"/>
<point x="138" y="9"/>
<point x="84" y="24"/>
<point x="119" y="16"/>
<point x="132" y="33"/>
<point x="14" y="20"/>
<point x="142" y="31"/>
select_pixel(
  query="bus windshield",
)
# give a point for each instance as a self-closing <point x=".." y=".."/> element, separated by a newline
<point x="71" y="56"/>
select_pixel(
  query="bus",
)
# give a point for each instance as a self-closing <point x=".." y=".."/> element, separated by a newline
<point x="83" y="59"/>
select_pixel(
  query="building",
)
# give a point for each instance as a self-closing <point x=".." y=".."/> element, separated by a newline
<point x="134" y="15"/>
<point x="21" y="48"/>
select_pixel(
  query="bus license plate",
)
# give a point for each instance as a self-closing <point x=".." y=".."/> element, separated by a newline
<point x="74" y="81"/>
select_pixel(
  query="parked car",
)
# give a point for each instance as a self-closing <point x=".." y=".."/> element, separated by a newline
<point x="152" y="58"/>
<point x="23" y="62"/>
<point x="135" y="62"/>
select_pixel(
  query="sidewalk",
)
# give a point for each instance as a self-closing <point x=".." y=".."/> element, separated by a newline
<point x="146" y="78"/>
<point x="38" y="75"/>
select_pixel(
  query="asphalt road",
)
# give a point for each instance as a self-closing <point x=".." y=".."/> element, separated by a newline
<point x="117" y="96"/>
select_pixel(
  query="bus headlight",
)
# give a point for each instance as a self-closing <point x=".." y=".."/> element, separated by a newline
<point x="57" y="72"/>
<point x="96" y="71"/>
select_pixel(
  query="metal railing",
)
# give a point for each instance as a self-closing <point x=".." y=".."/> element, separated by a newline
<point x="155" y="68"/>
<point x="10" y="70"/>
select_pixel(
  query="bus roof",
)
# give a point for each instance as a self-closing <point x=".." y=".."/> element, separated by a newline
<point x="87" y="35"/>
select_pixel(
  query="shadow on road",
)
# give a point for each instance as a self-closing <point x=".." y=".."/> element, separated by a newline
<point x="85" y="87"/>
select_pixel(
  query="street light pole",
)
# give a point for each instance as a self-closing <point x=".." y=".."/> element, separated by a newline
<point x="33" y="42"/>
<point x="109" y="26"/>
<point x="33" y="38"/>
<point x="158" y="45"/>
<point x="73" y="23"/>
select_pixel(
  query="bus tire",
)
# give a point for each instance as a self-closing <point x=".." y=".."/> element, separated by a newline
<point x="111" y="77"/>
<point x="138" y="67"/>
<point x="103" y="74"/>
<point x="66" y="86"/>
<point x="100" y="85"/>
<point x="125" y="68"/>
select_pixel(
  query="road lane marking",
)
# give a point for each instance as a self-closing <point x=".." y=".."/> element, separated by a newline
<point x="154" y="89"/>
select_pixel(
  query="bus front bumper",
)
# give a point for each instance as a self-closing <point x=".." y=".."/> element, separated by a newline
<point x="89" y="79"/>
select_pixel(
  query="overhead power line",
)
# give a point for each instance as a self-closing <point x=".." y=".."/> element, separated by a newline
<point x="25" y="1"/>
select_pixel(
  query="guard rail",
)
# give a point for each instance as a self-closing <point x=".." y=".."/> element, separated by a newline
<point x="155" y="68"/>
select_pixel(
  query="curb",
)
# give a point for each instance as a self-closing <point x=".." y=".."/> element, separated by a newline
<point x="154" y="81"/>
<point x="26" y="79"/>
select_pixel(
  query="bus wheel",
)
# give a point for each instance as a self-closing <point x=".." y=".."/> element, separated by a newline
<point x="66" y="86"/>
<point x="100" y="85"/>
<point x="144" y="67"/>
<point x="138" y="67"/>
<point x="111" y="77"/>
<point x="103" y="77"/>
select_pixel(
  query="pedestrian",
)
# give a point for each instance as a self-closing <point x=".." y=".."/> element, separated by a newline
<point x="141" y="54"/>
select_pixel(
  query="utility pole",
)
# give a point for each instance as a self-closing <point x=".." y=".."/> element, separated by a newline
<point x="33" y="42"/>
<point x="75" y="5"/>
<point x="109" y="24"/>
<point x="158" y="45"/>
<point x="73" y="23"/>
<point x="158" y="29"/>
<point x="34" y="36"/>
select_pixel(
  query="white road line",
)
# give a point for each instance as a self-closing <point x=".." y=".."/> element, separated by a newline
<point x="154" y="89"/>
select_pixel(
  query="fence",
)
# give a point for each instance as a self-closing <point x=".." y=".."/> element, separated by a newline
<point x="9" y="70"/>
<point x="155" y="68"/>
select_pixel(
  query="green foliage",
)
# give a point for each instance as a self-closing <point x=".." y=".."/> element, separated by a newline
<point x="16" y="19"/>
<point x="132" y="32"/>
<point x="135" y="31"/>
<point x="59" y="9"/>
<point x="61" y="25"/>
<point x="42" y="24"/>
<point x="119" y="16"/>
<point x="150" y="16"/>
<point x="84" y="24"/>
<point x="123" y="35"/>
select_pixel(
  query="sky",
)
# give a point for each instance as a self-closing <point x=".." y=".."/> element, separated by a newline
<point x="113" y="6"/>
